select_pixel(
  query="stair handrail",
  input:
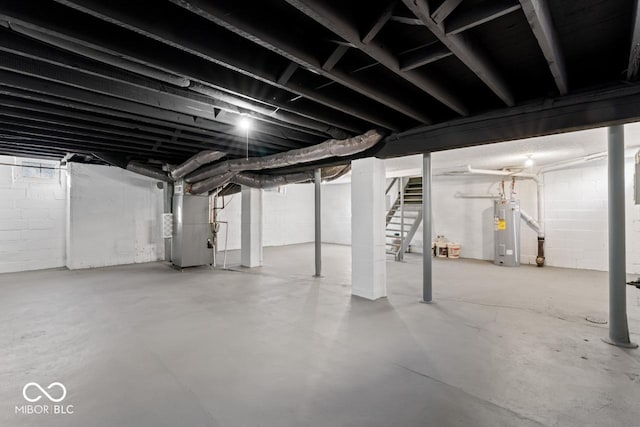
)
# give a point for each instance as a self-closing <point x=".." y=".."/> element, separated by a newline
<point x="393" y="181"/>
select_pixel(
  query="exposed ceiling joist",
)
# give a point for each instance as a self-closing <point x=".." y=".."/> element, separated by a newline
<point x="322" y="14"/>
<point x="99" y="127"/>
<point x="122" y="43"/>
<point x="41" y="90"/>
<point x="444" y="10"/>
<point x="29" y="151"/>
<point x="424" y="55"/>
<point x="379" y="22"/>
<point x="35" y="52"/>
<point x="156" y="129"/>
<point x="565" y="114"/>
<point x="284" y="77"/>
<point x="73" y="142"/>
<point x="152" y="103"/>
<point x="259" y="33"/>
<point x="539" y="18"/>
<point x="472" y="57"/>
<point x="335" y="56"/>
<point x="479" y="15"/>
<point x="634" y="54"/>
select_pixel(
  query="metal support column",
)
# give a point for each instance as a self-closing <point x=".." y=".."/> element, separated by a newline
<point x="426" y="228"/>
<point x="618" y="327"/>
<point x="317" y="180"/>
<point x="401" y="251"/>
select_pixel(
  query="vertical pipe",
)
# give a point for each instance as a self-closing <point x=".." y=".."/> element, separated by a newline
<point x="618" y="327"/>
<point x="400" y="256"/>
<point x="426" y="228"/>
<point x="317" y="179"/>
<point x="168" y="208"/>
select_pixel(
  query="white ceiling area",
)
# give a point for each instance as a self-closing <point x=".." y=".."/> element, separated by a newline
<point x="543" y="150"/>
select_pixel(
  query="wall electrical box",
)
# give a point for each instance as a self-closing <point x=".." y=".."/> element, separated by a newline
<point x="507" y="232"/>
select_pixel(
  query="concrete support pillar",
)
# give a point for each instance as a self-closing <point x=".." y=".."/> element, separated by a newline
<point x="618" y="328"/>
<point x="368" y="258"/>
<point x="251" y="228"/>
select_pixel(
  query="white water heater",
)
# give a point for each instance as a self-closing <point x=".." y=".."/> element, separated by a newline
<point x="507" y="232"/>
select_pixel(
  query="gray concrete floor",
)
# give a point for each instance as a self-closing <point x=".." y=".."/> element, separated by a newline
<point x="145" y="345"/>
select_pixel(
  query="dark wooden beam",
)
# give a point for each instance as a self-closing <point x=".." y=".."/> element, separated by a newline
<point x="568" y="113"/>
<point x="94" y="89"/>
<point x="284" y="77"/>
<point x="634" y="53"/>
<point x="335" y="56"/>
<point x="406" y="20"/>
<point x="462" y="48"/>
<point x="380" y="21"/>
<point x="485" y="12"/>
<point x="326" y="16"/>
<point x="539" y="17"/>
<point x="196" y="62"/>
<point x="262" y="34"/>
<point x="444" y="10"/>
<point x="424" y="55"/>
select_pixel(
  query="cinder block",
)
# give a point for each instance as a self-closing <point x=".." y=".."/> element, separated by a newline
<point x="14" y="224"/>
<point x="9" y="236"/>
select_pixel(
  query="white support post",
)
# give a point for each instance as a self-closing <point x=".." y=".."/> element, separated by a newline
<point x="368" y="258"/>
<point x="251" y="228"/>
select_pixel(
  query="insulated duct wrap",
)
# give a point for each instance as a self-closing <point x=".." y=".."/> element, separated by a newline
<point x="330" y="148"/>
<point x="255" y="180"/>
<point x="202" y="158"/>
<point x="211" y="183"/>
<point x="147" y="171"/>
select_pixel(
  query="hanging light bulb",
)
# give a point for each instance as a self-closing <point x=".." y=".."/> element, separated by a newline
<point x="244" y="123"/>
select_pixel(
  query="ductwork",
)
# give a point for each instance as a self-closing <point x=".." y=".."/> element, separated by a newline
<point x="331" y="148"/>
<point x="148" y="171"/>
<point x="202" y="158"/>
<point x="256" y="180"/>
<point x="210" y="183"/>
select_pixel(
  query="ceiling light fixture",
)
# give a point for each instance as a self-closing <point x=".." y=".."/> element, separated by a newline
<point x="529" y="162"/>
<point x="245" y="123"/>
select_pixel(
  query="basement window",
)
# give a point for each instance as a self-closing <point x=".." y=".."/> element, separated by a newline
<point x="38" y="170"/>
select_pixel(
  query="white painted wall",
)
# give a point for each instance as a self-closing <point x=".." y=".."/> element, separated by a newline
<point x="336" y="213"/>
<point x="288" y="217"/>
<point x="32" y="217"/>
<point x="114" y="217"/>
<point x="470" y="221"/>
<point x="576" y="216"/>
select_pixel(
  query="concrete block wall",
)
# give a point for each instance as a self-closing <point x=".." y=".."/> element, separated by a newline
<point x="470" y="221"/>
<point x="114" y="217"/>
<point x="32" y="217"/>
<point x="336" y="213"/>
<point x="288" y="217"/>
<point x="576" y="217"/>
